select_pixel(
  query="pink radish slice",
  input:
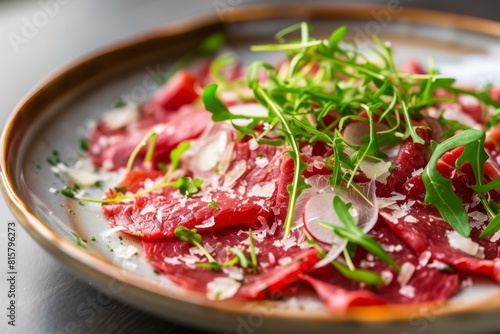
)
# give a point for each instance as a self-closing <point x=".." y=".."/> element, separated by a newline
<point x="357" y="130"/>
<point x="367" y="211"/>
<point x="354" y="131"/>
<point x="319" y="208"/>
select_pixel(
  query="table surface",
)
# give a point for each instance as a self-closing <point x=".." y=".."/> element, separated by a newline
<point x="48" y="294"/>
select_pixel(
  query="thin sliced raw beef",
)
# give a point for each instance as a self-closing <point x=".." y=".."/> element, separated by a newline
<point x="424" y="230"/>
<point x="411" y="157"/>
<point x="423" y="283"/>
<point x="111" y="148"/>
<point x="246" y="201"/>
<point x="113" y="140"/>
<point x="182" y="89"/>
<point x="280" y="264"/>
<point x="157" y="216"/>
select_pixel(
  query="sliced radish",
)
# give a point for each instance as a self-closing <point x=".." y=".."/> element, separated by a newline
<point x="355" y="131"/>
<point x="367" y="210"/>
<point x="319" y="208"/>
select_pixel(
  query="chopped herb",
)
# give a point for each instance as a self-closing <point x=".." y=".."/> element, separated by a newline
<point x="119" y="103"/>
<point x="81" y="203"/>
<point x="79" y="241"/>
<point x="84" y="144"/>
<point x="447" y="269"/>
<point x="213" y="204"/>
<point x="162" y="166"/>
<point x="122" y="190"/>
<point x="98" y="184"/>
<point x="92" y="238"/>
<point x="188" y="186"/>
<point x="68" y="192"/>
<point x="359" y="275"/>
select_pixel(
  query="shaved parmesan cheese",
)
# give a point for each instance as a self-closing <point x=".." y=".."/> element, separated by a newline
<point x="285" y="261"/>
<point x="407" y="291"/>
<point x="235" y="273"/>
<point x="265" y="190"/>
<point x="253" y="144"/>
<point x="376" y="170"/>
<point x="495" y="237"/>
<point x="222" y="288"/>
<point x="125" y="252"/>
<point x="104" y="235"/>
<point x="410" y="219"/>
<point x="120" y="117"/>
<point x="235" y="173"/>
<point x="463" y="244"/>
<point x="83" y="177"/>
<point x="206" y="223"/>
<point x="148" y="209"/>
<point x="261" y="162"/>
<point x="438" y="265"/>
<point x="424" y="258"/>
<point x="387" y="276"/>
<point x="407" y="270"/>
<point x="211" y="152"/>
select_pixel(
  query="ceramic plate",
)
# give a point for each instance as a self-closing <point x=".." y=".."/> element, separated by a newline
<point x="56" y="114"/>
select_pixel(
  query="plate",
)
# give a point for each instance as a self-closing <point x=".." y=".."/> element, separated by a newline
<point x="56" y="114"/>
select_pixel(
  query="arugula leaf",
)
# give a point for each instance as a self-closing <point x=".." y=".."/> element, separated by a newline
<point x="439" y="190"/>
<point x="354" y="234"/>
<point x="495" y="184"/>
<point x="492" y="228"/>
<point x="336" y="37"/>
<point x="359" y="275"/>
<point x="214" y="105"/>
<point x="175" y="155"/>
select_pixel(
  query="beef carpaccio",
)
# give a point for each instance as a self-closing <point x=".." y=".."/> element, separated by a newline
<point x="330" y="172"/>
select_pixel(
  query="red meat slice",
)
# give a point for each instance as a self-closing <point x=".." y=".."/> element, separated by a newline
<point x="248" y="201"/>
<point x="426" y="284"/>
<point x="111" y="148"/>
<point x="157" y="216"/>
<point x="182" y="89"/>
<point x="411" y="157"/>
<point x="338" y="299"/>
<point x="273" y="282"/>
<point x="176" y="259"/>
<point x="423" y="229"/>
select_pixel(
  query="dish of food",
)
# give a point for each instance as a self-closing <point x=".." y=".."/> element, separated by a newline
<point x="315" y="178"/>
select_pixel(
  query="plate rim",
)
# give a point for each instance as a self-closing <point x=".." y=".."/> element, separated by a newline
<point x="101" y="271"/>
